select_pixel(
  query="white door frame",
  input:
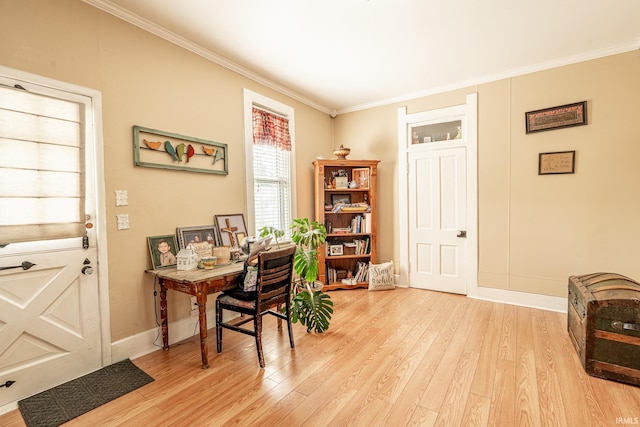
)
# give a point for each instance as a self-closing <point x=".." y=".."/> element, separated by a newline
<point x="100" y="222"/>
<point x="470" y="110"/>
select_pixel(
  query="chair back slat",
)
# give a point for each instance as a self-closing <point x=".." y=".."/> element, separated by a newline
<point x="275" y="273"/>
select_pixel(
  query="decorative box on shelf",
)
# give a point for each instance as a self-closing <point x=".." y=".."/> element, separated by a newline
<point x="186" y="260"/>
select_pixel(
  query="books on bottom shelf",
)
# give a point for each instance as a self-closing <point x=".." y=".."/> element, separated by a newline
<point x="362" y="271"/>
<point x="360" y="274"/>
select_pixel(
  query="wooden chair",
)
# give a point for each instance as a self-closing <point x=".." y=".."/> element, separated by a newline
<point x="273" y="289"/>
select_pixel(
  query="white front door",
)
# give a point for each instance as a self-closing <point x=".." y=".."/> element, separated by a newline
<point x="49" y="321"/>
<point x="437" y="219"/>
<point x="51" y="328"/>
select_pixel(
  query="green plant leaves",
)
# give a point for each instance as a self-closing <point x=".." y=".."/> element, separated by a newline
<point x="275" y="232"/>
<point x="313" y="310"/>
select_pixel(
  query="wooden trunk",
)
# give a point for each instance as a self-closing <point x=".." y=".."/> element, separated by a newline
<point x="603" y="321"/>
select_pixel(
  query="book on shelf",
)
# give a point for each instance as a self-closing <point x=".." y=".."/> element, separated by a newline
<point x="366" y="219"/>
<point x="341" y="230"/>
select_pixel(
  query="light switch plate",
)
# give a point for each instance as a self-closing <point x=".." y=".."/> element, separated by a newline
<point x="122" y="198"/>
<point x="123" y="221"/>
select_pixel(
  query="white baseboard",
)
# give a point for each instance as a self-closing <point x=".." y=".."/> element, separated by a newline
<point x="524" y="299"/>
<point x="149" y="341"/>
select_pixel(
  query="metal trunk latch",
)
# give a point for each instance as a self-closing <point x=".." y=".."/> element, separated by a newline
<point x="616" y="324"/>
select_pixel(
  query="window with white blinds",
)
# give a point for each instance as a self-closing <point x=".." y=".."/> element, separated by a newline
<point x="271" y="187"/>
<point x="269" y="150"/>
<point x="41" y="167"/>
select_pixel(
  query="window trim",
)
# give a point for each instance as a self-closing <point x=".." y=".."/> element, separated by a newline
<point x="252" y="99"/>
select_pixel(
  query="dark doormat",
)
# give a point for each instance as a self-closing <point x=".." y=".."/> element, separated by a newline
<point x="69" y="400"/>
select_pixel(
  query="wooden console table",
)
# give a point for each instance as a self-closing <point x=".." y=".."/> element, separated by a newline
<point x="198" y="283"/>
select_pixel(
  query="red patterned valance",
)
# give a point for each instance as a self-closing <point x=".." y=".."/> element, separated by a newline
<point x="270" y="129"/>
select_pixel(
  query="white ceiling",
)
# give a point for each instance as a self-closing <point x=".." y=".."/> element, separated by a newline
<point x="344" y="55"/>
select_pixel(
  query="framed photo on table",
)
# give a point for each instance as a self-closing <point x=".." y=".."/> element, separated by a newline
<point x="200" y="234"/>
<point x="229" y="226"/>
<point x="163" y="250"/>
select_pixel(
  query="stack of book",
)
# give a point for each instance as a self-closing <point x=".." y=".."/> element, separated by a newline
<point x="350" y="207"/>
<point x="362" y="272"/>
<point x="362" y="246"/>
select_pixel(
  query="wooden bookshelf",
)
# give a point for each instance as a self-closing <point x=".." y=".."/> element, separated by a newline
<point x="350" y="216"/>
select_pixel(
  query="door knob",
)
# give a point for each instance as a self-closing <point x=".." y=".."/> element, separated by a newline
<point x="87" y="269"/>
<point x="462" y="234"/>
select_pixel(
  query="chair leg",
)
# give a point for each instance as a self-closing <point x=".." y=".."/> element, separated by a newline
<point x="257" y="322"/>
<point x="289" y="325"/>
<point x="279" y="307"/>
<point x="218" y="327"/>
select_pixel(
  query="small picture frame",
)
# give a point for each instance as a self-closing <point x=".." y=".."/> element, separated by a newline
<point x="163" y="250"/>
<point x="229" y="226"/>
<point x="562" y="116"/>
<point x="361" y="177"/>
<point x="335" y="250"/>
<point x="558" y="162"/>
<point x="240" y="237"/>
<point x="340" y="198"/>
<point x="200" y="234"/>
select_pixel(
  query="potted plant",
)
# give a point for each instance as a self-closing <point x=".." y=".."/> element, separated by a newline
<point x="310" y="305"/>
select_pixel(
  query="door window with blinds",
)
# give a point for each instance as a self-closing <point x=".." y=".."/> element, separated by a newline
<point x="269" y="158"/>
<point x="41" y="167"/>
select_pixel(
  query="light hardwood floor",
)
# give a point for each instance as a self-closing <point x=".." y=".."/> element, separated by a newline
<point x="391" y="358"/>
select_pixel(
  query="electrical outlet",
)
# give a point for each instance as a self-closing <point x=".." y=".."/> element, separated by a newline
<point x="193" y="310"/>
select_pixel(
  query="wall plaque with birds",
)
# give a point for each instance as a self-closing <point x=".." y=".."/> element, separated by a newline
<point x="157" y="149"/>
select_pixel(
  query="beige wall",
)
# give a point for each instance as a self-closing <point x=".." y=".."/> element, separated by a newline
<point x="147" y="81"/>
<point x="535" y="231"/>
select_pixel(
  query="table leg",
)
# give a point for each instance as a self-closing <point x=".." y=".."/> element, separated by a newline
<point x="163" y="316"/>
<point x="202" y="312"/>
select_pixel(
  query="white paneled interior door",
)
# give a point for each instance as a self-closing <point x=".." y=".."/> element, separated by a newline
<point x="437" y="219"/>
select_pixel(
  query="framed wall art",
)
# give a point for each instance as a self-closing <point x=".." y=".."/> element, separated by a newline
<point x="556" y="163"/>
<point x="229" y="226"/>
<point x="204" y="233"/>
<point x="154" y="148"/>
<point x="556" y="117"/>
<point x="163" y="250"/>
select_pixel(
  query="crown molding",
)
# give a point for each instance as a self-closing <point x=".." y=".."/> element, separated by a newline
<point x="133" y="19"/>
<point x="159" y="31"/>
<point x="587" y="56"/>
